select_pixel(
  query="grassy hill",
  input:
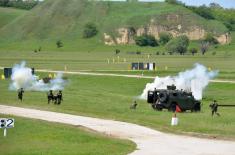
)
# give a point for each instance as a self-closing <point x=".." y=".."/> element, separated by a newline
<point x="65" y="19"/>
<point x="8" y="15"/>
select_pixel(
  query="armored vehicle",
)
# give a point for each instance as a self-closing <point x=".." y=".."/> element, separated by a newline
<point x="173" y="99"/>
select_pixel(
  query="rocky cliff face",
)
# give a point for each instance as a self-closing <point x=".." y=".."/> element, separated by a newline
<point x="126" y="34"/>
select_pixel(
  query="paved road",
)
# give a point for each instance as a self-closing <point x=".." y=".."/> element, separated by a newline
<point x="149" y="142"/>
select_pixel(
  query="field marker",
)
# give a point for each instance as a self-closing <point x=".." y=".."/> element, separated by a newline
<point x="174" y="120"/>
<point x="3" y="77"/>
<point x="6" y="123"/>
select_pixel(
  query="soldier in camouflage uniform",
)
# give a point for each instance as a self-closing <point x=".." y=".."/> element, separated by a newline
<point x="50" y="97"/>
<point x="59" y="97"/>
<point x="20" y="94"/>
<point x="214" y="108"/>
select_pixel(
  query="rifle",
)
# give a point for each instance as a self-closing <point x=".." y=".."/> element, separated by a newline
<point x="214" y="107"/>
<point x="226" y="105"/>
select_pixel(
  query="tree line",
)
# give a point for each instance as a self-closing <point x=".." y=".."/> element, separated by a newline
<point x="20" y="4"/>
<point x="212" y="12"/>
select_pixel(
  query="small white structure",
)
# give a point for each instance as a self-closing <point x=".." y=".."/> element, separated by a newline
<point x="174" y="120"/>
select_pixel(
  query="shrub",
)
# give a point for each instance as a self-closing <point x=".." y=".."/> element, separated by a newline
<point x="146" y="40"/>
<point x="214" y="53"/>
<point x="117" y="51"/>
<point x="59" y="44"/>
<point x="164" y="38"/>
<point x="90" y="30"/>
<point x="211" y="39"/>
<point x="203" y="11"/>
<point x="138" y="53"/>
<point x="173" y="2"/>
<point x="178" y="45"/>
<point x="27" y="5"/>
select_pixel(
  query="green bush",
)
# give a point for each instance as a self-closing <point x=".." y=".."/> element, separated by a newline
<point x="211" y="39"/>
<point x="27" y="5"/>
<point x="178" y="45"/>
<point x="59" y="44"/>
<point x="176" y="2"/>
<point x="146" y="40"/>
<point x="203" y="11"/>
<point x="165" y="37"/>
<point x="4" y="3"/>
<point x="90" y="30"/>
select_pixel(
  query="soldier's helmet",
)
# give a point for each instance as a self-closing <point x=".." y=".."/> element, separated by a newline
<point x="215" y="101"/>
<point x="60" y="91"/>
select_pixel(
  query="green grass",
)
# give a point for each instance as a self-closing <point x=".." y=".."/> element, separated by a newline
<point x="110" y="97"/>
<point x="98" y="61"/>
<point x="39" y="137"/>
<point x="64" y="20"/>
<point x="8" y="15"/>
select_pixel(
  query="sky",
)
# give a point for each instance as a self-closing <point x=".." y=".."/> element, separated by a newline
<point x="223" y="3"/>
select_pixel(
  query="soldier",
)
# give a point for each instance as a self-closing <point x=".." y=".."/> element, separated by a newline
<point x="214" y="108"/>
<point x="20" y="94"/>
<point x="59" y="97"/>
<point x="134" y="105"/>
<point x="50" y="96"/>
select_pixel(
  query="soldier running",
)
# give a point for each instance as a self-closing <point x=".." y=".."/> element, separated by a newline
<point x="214" y="108"/>
<point x="20" y="94"/>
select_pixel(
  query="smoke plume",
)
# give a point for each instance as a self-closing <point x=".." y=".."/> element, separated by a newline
<point x="194" y="80"/>
<point x="22" y="77"/>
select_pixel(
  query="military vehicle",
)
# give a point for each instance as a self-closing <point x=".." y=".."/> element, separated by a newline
<point x="171" y="99"/>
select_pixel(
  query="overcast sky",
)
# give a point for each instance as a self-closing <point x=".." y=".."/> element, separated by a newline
<point x="224" y="3"/>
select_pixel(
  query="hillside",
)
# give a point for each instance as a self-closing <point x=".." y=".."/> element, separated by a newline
<point x="117" y="23"/>
<point x="7" y="15"/>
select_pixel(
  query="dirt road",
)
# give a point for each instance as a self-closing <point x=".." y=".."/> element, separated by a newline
<point x="113" y="75"/>
<point x="149" y="142"/>
<point x="118" y="75"/>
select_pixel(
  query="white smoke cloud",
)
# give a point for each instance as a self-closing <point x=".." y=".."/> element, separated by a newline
<point x="22" y="77"/>
<point x="194" y="80"/>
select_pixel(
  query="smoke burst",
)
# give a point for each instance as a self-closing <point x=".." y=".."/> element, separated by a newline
<point x="22" y="77"/>
<point x="194" y="80"/>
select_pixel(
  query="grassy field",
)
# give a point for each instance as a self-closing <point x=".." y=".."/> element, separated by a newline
<point x="96" y="61"/>
<point x="38" y="137"/>
<point x="110" y="97"/>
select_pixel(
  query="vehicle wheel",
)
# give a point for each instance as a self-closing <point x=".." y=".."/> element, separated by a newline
<point x="157" y="107"/>
<point x="172" y="107"/>
<point x="162" y="96"/>
<point x="197" y="107"/>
